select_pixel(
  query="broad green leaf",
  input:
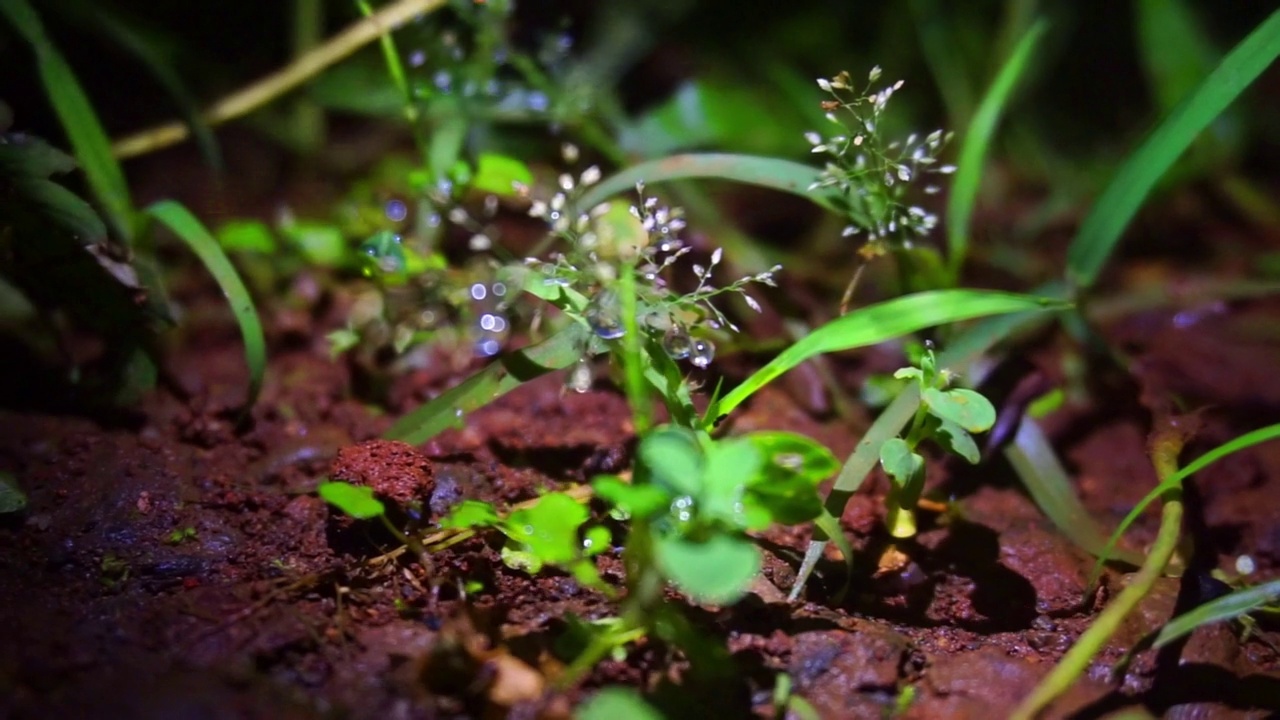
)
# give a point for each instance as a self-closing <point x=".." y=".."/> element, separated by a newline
<point x="469" y="514"/>
<point x="549" y="528"/>
<point x="355" y="500"/>
<point x="499" y="174"/>
<point x="1174" y="481"/>
<point x="716" y="571"/>
<point x="1130" y="186"/>
<point x="673" y="460"/>
<point x="319" y="243"/>
<point x="977" y="141"/>
<point x="496" y="379"/>
<point x="637" y="501"/>
<point x="713" y="111"/>
<point x="190" y="230"/>
<point x="246" y="236"/>
<point x="1228" y="607"/>
<point x="782" y="175"/>
<point x="596" y="540"/>
<point x="791" y="455"/>
<point x="12" y="499"/>
<point x="76" y="113"/>
<point x="901" y="463"/>
<point x="962" y="406"/>
<point x="878" y="323"/>
<point x="730" y="465"/>
<point x="616" y="703"/>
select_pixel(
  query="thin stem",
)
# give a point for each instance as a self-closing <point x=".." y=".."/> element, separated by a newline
<point x="254" y="96"/>
<point x="1166" y="448"/>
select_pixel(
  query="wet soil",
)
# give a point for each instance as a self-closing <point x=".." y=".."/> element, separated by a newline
<point x="174" y="562"/>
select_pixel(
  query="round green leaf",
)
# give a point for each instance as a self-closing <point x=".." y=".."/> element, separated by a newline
<point x="716" y="571"/>
<point x="673" y="459"/>
<point x="616" y="702"/>
<point x="637" y="501"/>
<point x="498" y="174"/>
<point x="549" y="529"/>
<point x="900" y="462"/>
<point x="964" y="407"/>
<point x="469" y="514"/>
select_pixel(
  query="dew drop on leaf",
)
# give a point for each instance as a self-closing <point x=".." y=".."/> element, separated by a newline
<point x="604" y="315"/>
<point x="579" y="379"/>
<point x="677" y="343"/>
<point x="702" y="353"/>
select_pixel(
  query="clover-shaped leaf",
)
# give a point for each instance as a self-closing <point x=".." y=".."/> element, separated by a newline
<point x="717" y="570"/>
<point x="902" y="464"/>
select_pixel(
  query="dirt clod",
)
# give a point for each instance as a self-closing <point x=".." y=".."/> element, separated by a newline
<point x="395" y="470"/>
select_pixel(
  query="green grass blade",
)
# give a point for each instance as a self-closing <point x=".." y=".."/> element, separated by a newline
<point x="1247" y="440"/>
<point x="1174" y="48"/>
<point x="783" y="175"/>
<point x="499" y="377"/>
<point x="75" y="112"/>
<point x="191" y="231"/>
<point x="1130" y="186"/>
<point x="881" y="322"/>
<point x="1037" y="465"/>
<point x="977" y="141"/>
<point x="1228" y="607"/>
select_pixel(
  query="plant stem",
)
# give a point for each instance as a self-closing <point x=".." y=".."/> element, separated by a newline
<point x="254" y="96"/>
<point x="1166" y="447"/>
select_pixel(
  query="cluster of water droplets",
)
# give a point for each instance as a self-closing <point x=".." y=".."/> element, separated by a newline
<point x="492" y="325"/>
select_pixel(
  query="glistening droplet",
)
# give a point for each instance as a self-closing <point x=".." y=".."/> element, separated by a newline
<point x="579" y="379"/>
<point x="702" y="353"/>
<point x="604" y="315"/>
<point x="677" y="343"/>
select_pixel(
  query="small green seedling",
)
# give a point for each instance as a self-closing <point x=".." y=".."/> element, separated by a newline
<point x="697" y="498"/>
<point x="12" y="499"/>
<point x="181" y="535"/>
<point x="948" y="417"/>
<point x="548" y="533"/>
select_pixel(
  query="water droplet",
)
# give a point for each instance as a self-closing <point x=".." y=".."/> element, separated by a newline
<point x="479" y="291"/>
<point x="396" y="210"/>
<point x="579" y="379"/>
<point x="604" y="315"/>
<point x="385" y="252"/>
<point x="790" y="461"/>
<point x="417" y="58"/>
<point x="488" y="347"/>
<point x="443" y="81"/>
<point x="499" y="289"/>
<point x="702" y="353"/>
<point x="677" y="343"/>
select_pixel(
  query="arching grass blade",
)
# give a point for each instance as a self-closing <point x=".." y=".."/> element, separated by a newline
<point x="881" y="322"/>
<point x="192" y="232"/>
<point x="1228" y="607"/>
<point x="1130" y="186"/>
<point x="499" y="377"/>
<point x="977" y="140"/>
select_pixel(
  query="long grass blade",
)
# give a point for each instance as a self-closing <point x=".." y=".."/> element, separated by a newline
<point x="1130" y="186"/>
<point x="192" y="232"/>
<point x="1037" y="465"/>
<point x="75" y="112"/>
<point x="1174" y="482"/>
<point x="881" y="322"/>
<point x="509" y="371"/>
<point x="977" y="141"/>
<point x="1228" y="607"/>
<point x="782" y="175"/>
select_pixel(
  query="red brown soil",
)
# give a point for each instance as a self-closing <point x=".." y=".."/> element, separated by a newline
<point x="267" y="612"/>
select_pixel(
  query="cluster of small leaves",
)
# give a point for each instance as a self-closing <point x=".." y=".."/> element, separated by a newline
<point x="948" y="417"/>
<point x="699" y="497"/>
<point x="553" y="531"/>
<point x="872" y="175"/>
